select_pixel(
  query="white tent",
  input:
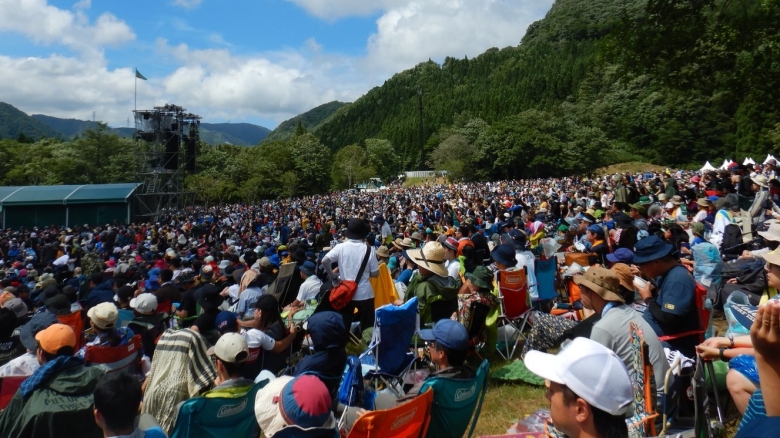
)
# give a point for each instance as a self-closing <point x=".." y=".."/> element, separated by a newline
<point x="725" y="164"/>
<point x="769" y="157"/>
<point x="707" y="166"/>
<point x="748" y="161"/>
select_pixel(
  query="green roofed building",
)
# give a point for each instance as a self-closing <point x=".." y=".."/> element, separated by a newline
<point x="40" y="206"/>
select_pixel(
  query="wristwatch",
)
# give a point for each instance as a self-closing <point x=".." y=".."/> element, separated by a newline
<point x="720" y="353"/>
<point x="731" y="340"/>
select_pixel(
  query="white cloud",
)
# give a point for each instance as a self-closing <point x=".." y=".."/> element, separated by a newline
<point x="334" y="9"/>
<point x="45" y="24"/>
<point x="189" y="4"/>
<point x="434" y="29"/>
<point x="220" y="84"/>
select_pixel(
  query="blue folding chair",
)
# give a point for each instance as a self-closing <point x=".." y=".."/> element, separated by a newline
<point x="206" y="417"/>
<point x="388" y="353"/>
<point x="545" y="271"/>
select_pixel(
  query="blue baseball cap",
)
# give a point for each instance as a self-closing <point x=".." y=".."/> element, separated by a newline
<point x="226" y="322"/>
<point x="712" y="198"/>
<point x="621" y="255"/>
<point x="448" y="333"/>
<point x="308" y="268"/>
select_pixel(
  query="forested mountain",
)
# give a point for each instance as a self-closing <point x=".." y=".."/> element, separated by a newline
<point x="310" y="120"/>
<point x="14" y="122"/>
<point x="243" y="134"/>
<point x="67" y="128"/>
<point x="671" y="81"/>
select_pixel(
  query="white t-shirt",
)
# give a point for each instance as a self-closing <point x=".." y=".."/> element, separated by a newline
<point x="255" y="338"/>
<point x="349" y="255"/>
<point x="309" y="289"/>
<point x="453" y="268"/>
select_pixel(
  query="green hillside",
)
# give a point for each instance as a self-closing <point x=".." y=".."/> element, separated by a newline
<point x="14" y="122"/>
<point x="669" y="81"/>
<point x="243" y="134"/>
<point x="310" y="119"/>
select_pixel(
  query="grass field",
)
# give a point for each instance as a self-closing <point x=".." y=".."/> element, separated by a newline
<point x="631" y="167"/>
<point x="505" y="403"/>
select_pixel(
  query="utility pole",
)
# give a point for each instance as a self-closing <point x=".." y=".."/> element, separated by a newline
<point x="420" y="107"/>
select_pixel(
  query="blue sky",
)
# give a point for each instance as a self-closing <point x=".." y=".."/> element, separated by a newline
<point x="257" y="61"/>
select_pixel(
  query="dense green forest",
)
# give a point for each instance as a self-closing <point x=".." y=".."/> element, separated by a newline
<point x="673" y="82"/>
<point x="310" y="120"/>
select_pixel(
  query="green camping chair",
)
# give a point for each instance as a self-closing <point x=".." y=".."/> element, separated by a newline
<point x="206" y="417"/>
<point x="456" y="403"/>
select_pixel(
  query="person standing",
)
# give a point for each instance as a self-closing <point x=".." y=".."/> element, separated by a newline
<point x="349" y="256"/>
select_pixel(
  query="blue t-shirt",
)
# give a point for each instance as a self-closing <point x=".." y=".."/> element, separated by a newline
<point x="404" y="276"/>
<point x="761" y="427"/>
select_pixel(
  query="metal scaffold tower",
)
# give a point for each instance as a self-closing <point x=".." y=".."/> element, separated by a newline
<point x="172" y="138"/>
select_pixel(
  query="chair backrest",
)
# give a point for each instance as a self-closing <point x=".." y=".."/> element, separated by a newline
<point x="410" y="419"/>
<point x="703" y="313"/>
<point x="513" y="292"/>
<point x="216" y="417"/>
<point x="545" y="272"/>
<point x="292" y="431"/>
<point x="164" y="307"/>
<point x="394" y="327"/>
<point x="641" y="374"/>
<point x="8" y="387"/>
<point x="76" y="322"/>
<point x="120" y="358"/>
<point x="477" y="318"/>
<point x="456" y="403"/>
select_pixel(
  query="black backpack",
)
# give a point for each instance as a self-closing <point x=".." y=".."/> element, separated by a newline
<point x="732" y="241"/>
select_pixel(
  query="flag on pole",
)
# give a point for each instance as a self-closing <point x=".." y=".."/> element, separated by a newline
<point x="139" y="75"/>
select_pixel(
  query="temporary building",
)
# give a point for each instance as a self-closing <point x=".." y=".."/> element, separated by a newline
<point x="40" y="206"/>
<point x="707" y="166"/>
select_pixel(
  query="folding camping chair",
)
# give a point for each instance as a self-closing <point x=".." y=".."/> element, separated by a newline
<point x="545" y="272"/>
<point x="456" y="403"/>
<point x="704" y="313"/>
<point x="408" y="420"/>
<point x="515" y="306"/>
<point x="74" y="320"/>
<point x="292" y="431"/>
<point x="388" y="353"/>
<point x="8" y="387"/>
<point x="215" y="417"/>
<point x="121" y="358"/>
<point x="642" y="422"/>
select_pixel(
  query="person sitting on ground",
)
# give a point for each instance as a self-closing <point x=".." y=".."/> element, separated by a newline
<point x="116" y="402"/>
<point x="301" y="401"/>
<point x="478" y="288"/>
<point x="310" y="287"/>
<point x="436" y="291"/>
<point x="270" y="334"/>
<point x="328" y="341"/>
<point x="27" y="363"/>
<point x="230" y="354"/>
<point x="103" y="318"/>
<point x="37" y="408"/>
<point x="10" y="346"/>
<point x="588" y="388"/>
<point x="181" y="369"/>
<point x="672" y="309"/>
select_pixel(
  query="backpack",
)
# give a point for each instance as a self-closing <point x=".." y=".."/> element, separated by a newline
<point x="732" y="240"/>
<point x="343" y="291"/>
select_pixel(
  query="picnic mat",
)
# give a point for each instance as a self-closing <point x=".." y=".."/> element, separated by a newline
<point x="516" y="371"/>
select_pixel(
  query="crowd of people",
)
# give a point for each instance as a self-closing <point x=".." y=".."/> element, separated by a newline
<point x="200" y="288"/>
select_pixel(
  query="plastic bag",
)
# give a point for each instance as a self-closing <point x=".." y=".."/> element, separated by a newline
<point x="706" y="270"/>
<point x="532" y="423"/>
<point x="735" y="328"/>
<point x="746" y="365"/>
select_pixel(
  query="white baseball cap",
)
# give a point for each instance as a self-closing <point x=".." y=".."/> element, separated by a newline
<point x="592" y="371"/>
<point x="231" y="347"/>
<point x="145" y="303"/>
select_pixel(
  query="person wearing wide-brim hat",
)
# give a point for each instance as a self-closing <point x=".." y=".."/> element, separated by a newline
<point x="601" y="292"/>
<point x="672" y="309"/>
<point x="403" y="244"/>
<point x="761" y="202"/>
<point x="435" y="290"/>
<point x="476" y="291"/>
